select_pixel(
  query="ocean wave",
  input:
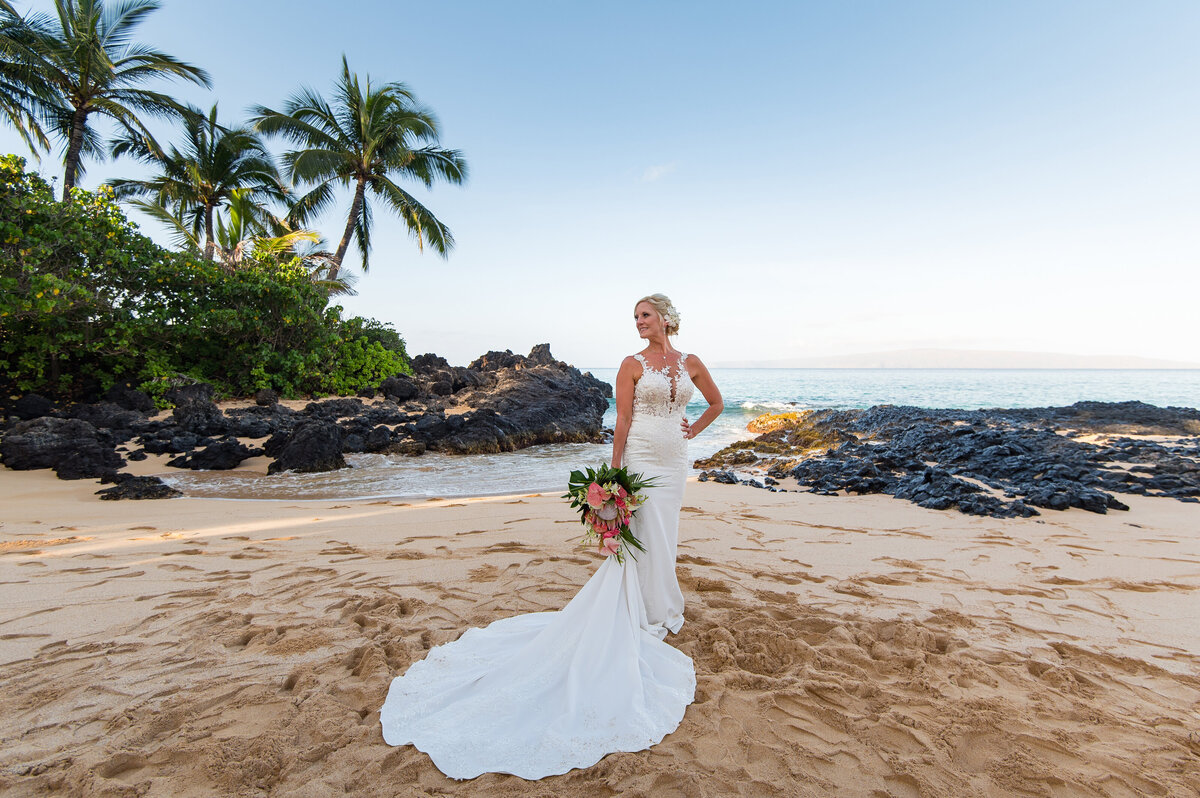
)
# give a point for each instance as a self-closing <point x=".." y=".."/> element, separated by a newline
<point x="757" y="408"/>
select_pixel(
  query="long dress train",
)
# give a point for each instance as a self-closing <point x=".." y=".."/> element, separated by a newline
<point x="539" y="694"/>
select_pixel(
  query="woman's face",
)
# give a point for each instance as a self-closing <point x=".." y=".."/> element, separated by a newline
<point x="649" y="323"/>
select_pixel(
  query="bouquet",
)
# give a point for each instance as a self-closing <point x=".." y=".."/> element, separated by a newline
<point x="607" y="498"/>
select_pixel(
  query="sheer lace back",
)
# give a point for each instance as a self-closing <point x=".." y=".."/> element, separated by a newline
<point x="661" y="393"/>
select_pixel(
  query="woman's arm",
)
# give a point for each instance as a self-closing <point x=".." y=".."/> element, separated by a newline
<point x="704" y="381"/>
<point x="626" y="377"/>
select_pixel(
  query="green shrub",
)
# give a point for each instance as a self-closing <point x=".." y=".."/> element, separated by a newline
<point x="86" y="300"/>
<point x="374" y="330"/>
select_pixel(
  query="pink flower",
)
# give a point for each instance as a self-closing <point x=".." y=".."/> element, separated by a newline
<point x="596" y="495"/>
<point x="621" y="492"/>
<point x="610" y="546"/>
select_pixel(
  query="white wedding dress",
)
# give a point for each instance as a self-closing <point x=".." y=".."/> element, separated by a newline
<point x="539" y="694"/>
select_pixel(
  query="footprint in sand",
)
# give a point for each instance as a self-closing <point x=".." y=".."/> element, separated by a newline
<point x="510" y="545"/>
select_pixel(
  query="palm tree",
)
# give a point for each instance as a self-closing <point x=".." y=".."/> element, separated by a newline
<point x="214" y="163"/>
<point x="246" y="227"/>
<point x="23" y="98"/>
<point x="364" y="139"/>
<point x="87" y="57"/>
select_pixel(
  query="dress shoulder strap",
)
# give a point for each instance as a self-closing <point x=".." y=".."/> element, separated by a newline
<point x="638" y="357"/>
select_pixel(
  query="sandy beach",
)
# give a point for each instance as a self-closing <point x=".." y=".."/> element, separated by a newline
<point x="843" y="646"/>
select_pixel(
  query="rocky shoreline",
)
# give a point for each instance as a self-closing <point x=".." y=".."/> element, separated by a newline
<point x="1000" y="463"/>
<point x="500" y="402"/>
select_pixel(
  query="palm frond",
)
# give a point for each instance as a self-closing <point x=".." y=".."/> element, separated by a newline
<point x="367" y="134"/>
<point x="422" y="224"/>
<point x="181" y="236"/>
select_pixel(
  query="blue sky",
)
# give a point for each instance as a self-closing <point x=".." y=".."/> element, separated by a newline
<point x="802" y="178"/>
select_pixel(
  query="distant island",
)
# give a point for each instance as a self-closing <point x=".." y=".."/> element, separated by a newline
<point x="963" y="359"/>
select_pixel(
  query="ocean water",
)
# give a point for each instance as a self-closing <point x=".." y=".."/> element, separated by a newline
<point x="747" y="393"/>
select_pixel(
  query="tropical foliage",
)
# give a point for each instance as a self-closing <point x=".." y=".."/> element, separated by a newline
<point x="214" y="164"/>
<point x="22" y="96"/>
<point x="86" y="62"/>
<point x="87" y="301"/>
<point x="244" y="301"/>
<point x="366" y="139"/>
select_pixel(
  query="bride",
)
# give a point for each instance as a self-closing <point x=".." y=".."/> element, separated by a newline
<point x="539" y="694"/>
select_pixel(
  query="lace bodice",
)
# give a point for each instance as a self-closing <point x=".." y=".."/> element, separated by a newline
<point x="662" y="392"/>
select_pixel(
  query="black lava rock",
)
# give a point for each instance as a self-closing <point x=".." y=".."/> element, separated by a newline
<point x="200" y="392"/>
<point x="1024" y="456"/>
<point x="218" y="456"/>
<point x="400" y="388"/>
<point x="201" y="418"/>
<point x="313" y="446"/>
<point x="109" y="416"/>
<point x="378" y="439"/>
<point x="131" y="487"/>
<point x="72" y="447"/>
<point x="334" y="408"/>
<point x="129" y="398"/>
<point x="32" y="405"/>
<point x="276" y="442"/>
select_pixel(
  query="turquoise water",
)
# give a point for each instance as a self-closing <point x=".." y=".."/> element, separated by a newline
<point x="747" y="393"/>
<point x="751" y="392"/>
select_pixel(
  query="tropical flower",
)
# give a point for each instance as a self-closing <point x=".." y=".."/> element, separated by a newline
<point x="607" y="499"/>
<point x="596" y="496"/>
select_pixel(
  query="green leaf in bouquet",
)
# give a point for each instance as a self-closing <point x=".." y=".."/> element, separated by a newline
<point x="632" y="540"/>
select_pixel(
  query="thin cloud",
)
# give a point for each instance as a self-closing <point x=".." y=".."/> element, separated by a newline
<point x="657" y="172"/>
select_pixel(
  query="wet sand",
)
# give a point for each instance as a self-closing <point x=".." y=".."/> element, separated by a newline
<point x="855" y="646"/>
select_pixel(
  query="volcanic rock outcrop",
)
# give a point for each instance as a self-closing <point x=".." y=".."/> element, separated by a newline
<point x="999" y="463"/>
<point x="501" y="402"/>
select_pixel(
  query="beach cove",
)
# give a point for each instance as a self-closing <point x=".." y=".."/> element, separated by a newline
<point x="844" y="646"/>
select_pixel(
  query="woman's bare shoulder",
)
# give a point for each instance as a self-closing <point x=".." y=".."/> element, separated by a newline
<point x="631" y="365"/>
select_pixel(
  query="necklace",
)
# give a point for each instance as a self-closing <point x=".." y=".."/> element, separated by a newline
<point x="665" y="357"/>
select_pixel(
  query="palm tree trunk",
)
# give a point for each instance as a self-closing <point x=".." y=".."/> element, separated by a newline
<point x="355" y="207"/>
<point x="74" y="147"/>
<point x="209" y="244"/>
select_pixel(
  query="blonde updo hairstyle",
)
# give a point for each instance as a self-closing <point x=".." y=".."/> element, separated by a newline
<point x="662" y="304"/>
